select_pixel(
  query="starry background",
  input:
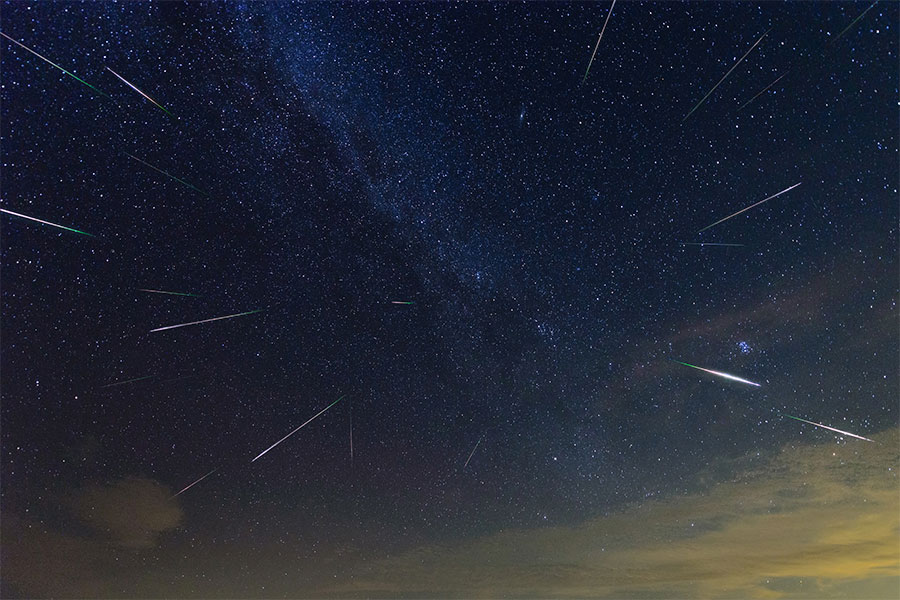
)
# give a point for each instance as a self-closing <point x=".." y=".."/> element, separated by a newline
<point x="351" y="155"/>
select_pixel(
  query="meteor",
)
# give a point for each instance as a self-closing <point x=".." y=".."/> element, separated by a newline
<point x="126" y="381"/>
<point x="598" y="41"/>
<point x="710" y="244"/>
<point x="749" y="207"/>
<point x="53" y="64"/>
<point x="854" y="23"/>
<point x="205" y="321"/>
<point x="196" y="482"/>
<point x="172" y="293"/>
<point x="298" y="429"/>
<point x="473" y="452"/>
<point x="195" y="188"/>
<point x="140" y="92"/>
<point x="859" y="437"/>
<point x="9" y="212"/>
<point x="717" y="373"/>
<point x="400" y="302"/>
<point x="761" y="93"/>
<point x="726" y="75"/>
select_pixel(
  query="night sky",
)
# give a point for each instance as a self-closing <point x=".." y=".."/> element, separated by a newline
<point x="335" y="159"/>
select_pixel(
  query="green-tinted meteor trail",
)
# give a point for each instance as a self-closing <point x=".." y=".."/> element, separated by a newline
<point x="55" y="65"/>
<point x="401" y="302"/>
<point x="862" y="14"/>
<point x="196" y="189"/>
<point x="9" y="212"/>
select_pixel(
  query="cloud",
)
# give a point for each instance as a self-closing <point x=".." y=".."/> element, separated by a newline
<point x="130" y="513"/>
<point x="814" y="521"/>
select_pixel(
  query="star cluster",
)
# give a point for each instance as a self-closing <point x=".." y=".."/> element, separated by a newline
<point x="337" y="158"/>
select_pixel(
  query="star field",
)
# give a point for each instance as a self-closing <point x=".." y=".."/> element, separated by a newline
<point x="336" y="158"/>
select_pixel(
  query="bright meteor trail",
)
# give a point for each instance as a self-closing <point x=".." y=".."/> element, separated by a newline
<point x="859" y="437"/>
<point x="717" y="373"/>
<point x="723" y="78"/>
<point x="298" y="429"/>
<point x="196" y="482"/>
<point x="53" y="63"/>
<point x="400" y="302"/>
<point x="206" y="320"/>
<point x="195" y="188"/>
<point x="9" y="212"/>
<point x="140" y="92"/>
<point x="749" y="207"/>
<point x="598" y="41"/>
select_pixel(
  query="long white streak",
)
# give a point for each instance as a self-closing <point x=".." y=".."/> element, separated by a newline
<point x="723" y="77"/>
<point x="298" y="429"/>
<point x="859" y="437"/>
<point x="749" y="207"/>
<point x="609" y="14"/>
<point x="717" y="373"/>
<point x="196" y="482"/>
<point x="473" y="451"/>
<point x="132" y="87"/>
<point x="137" y="90"/>
<point x="727" y="376"/>
<point x="204" y="321"/>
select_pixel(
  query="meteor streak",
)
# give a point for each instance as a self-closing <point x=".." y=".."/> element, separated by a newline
<point x="761" y="93"/>
<point x="53" y="64"/>
<point x="140" y="92"/>
<point x="473" y="452"/>
<point x="717" y="373"/>
<point x="749" y="207"/>
<point x="708" y="244"/>
<point x="598" y="41"/>
<point x="172" y="293"/>
<point x="859" y="437"/>
<point x="9" y="212"/>
<point x="193" y="187"/>
<point x="196" y="482"/>
<point x="723" y="78"/>
<point x="126" y="381"/>
<point x="206" y="320"/>
<point x="298" y="429"/>
<point x="400" y="302"/>
<point x="853" y="23"/>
